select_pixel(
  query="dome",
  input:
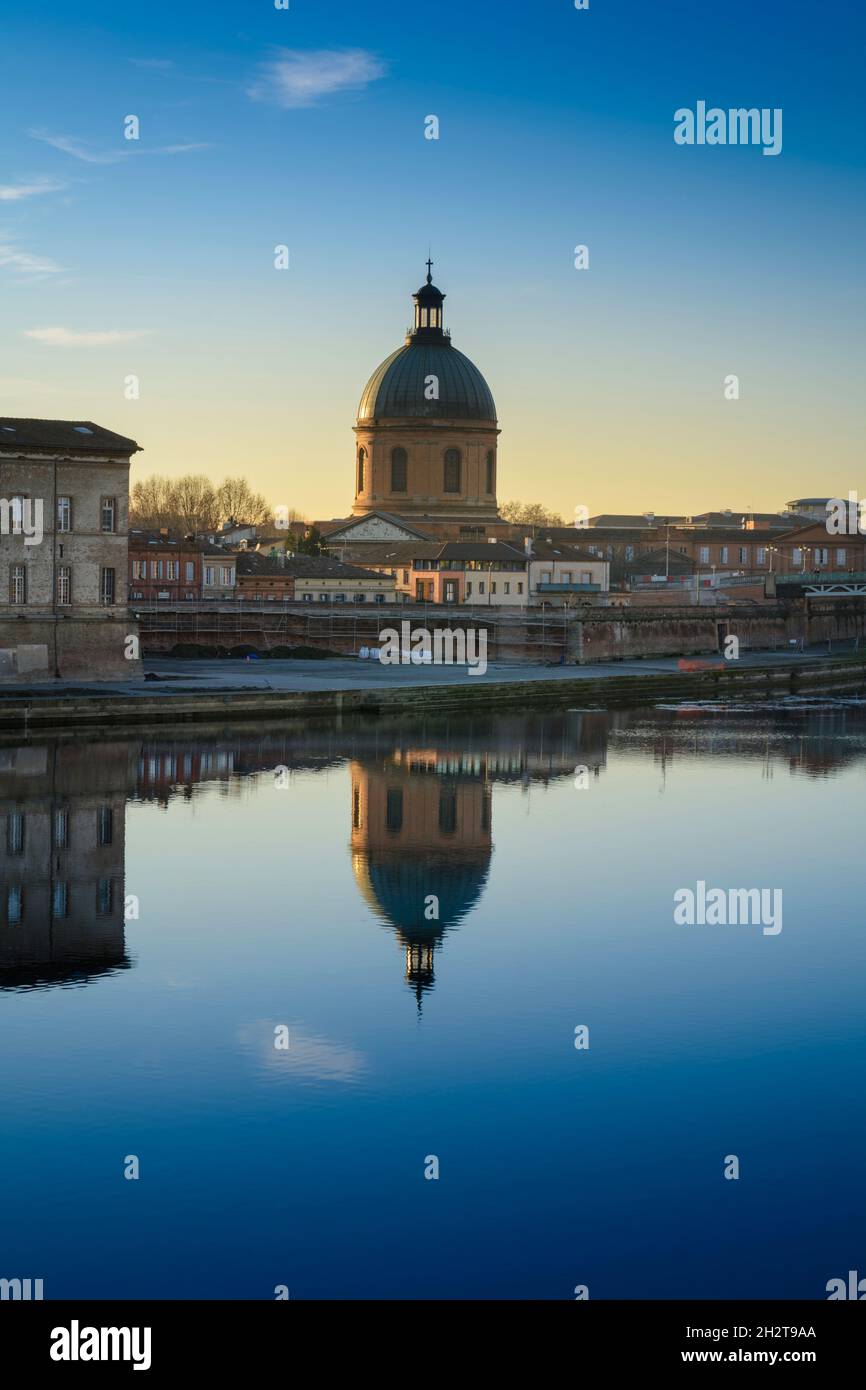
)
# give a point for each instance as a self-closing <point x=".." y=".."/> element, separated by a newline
<point x="396" y="388"/>
<point x="396" y="886"/>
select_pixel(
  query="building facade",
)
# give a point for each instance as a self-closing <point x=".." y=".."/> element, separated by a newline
<point x="64" y="489"/>
<point x="162" y="569"/>
<point x="321" y="579"/>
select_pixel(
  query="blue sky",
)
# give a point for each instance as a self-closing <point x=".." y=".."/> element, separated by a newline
<point x="305" y="127"/>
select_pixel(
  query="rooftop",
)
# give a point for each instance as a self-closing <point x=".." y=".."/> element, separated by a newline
<point x="82" y="436"/>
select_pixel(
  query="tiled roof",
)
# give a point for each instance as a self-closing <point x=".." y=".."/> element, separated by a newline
<point x="480" y="550"/>
<point x="606" y="520"/>
<point x="70" y="435"/>
<point x="251" y="562"/>
<point x="324" y="567"/>
<point x="387" y="552"/>
<point x="153" y="540"/>
<point x="558" y="550"/>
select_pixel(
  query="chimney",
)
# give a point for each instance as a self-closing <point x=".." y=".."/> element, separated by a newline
<point x="527" y="546"/>
<point x="650" y="517"/>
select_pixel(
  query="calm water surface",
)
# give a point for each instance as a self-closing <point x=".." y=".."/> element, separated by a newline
<point x="284" y="876"/>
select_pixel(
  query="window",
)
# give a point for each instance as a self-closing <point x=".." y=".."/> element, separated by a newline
<point x="448" y="812"/>
<point x="14" y="906"/>
<point x="64" y="513"/>
<point x="744" y="555"/>
<point x="308" y="598"/>
<point x="16" y="514"/>
<point x="762" y="555"/>
<point x="60" y="904"/>
<point x="723" y="557"/>
<point x="840" y="557"/>
<point x="106" y="587"/>
<point x="15" y="832"/>
<point x="61" y="828"/>
<point x="490" y="472"/>
<point x="17" y="583"/>
<point x="104" y="826"/>
<point x="172" y="568"/>
<point x="190" y="571"/>
<point x="108" y="514"/>
<point x="493" y="587"/>
<point x="481" y="586"/>
<point x="104" y="897"/>
<point x="469" y="590"/>
<point x="228" y="574"/>
<point x="64" y="585"/>
<point x="399" y="470"/>
<point x="566" y="576"/>
<point x="362" y="456"/>
<point x="796" y="556"/>
<point x="520" y="588"/>
<point x="507" y="588"/>
<point x="822" y="555"/>
<point x="629" y="552"/>
<point x="208" y="574"/>
<point x="451" y="479"/>
<point x="394" y="810"/>
<point x="705" y="555"/>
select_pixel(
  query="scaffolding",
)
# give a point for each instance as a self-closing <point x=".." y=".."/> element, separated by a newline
<point x="514" y="636"/>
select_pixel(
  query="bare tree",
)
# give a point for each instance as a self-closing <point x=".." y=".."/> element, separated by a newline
<point x="194" y="502"/>
<point x="529" y="514"/>
<point x="150" y="502"/>
<point x="237" y="501"/>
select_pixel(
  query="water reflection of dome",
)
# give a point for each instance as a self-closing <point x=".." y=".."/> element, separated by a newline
<point x="421" y="848"/>
<point x="396" y="887"/>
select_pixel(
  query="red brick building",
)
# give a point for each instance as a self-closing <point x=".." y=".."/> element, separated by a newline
<point x="161" y="568"/>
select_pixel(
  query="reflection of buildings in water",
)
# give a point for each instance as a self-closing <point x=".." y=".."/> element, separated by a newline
<point x="421" y="834"/>
<point x="62" y="837"/>
<point x="813" y="737"/>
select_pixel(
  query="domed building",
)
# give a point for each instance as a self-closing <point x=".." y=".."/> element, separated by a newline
<point x="426" y="428"/>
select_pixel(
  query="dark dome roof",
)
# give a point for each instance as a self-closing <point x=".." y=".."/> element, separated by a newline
<point x="396" y="388"/>
<point x="396" y="886"/>
<point x="429" y="293"/>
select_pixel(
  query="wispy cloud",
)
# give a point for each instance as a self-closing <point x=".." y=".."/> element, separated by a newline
<point x="295" y="78"/>
<point x="79" y="149"/>
<point x="186" y="148"/>
<point x="309" y="1057"/>
<point x="16" y="192"/>
<point x="24" y="262"/>
<point x="70" y="337"/>
<point x="84" y="150"/>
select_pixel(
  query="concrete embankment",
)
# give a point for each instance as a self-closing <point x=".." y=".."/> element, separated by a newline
<point x="25" y="711"/>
